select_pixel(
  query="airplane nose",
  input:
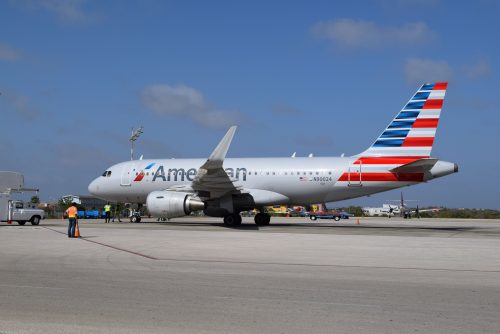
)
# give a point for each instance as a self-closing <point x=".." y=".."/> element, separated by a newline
<point x="93" y="187"/>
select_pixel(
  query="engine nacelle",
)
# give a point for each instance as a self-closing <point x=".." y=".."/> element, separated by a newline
<point x="172" y="204"/>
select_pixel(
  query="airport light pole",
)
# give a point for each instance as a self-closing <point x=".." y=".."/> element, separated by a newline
<point x="135" y="135"/>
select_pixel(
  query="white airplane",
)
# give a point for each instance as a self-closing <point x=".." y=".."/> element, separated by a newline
<point x="225" y="187"/>
<point x="406" y="212"/>
<point x="385" y="210"/>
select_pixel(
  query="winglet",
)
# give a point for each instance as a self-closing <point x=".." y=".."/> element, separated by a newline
<point x="219" y="154"/>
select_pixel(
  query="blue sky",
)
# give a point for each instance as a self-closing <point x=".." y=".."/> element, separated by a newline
<point x="305" y="76"/>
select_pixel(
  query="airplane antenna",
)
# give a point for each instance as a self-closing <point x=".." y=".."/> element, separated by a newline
<point x="135" y="135"/>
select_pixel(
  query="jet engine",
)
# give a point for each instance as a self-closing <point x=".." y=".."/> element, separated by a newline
<point x="171" y="204"/>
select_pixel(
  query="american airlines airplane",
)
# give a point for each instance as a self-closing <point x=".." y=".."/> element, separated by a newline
<point x="224" y="187"/>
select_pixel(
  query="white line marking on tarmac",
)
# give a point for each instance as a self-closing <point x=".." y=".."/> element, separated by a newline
<point x="30" y="286"/>
<point x="297" y="301"/>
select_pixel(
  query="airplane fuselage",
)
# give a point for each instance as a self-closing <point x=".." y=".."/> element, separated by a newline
<point x="301" y="181"/>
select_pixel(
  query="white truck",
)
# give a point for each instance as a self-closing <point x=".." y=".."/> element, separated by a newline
<point x="13" y="210"/>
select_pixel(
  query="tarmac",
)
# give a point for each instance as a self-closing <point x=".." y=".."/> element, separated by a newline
<point x="194" y="275"/>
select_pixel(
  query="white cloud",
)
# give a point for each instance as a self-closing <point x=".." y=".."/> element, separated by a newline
<point x="186" y="102"/>
<point x="8" y="53"/>
<point x="479" y="70"/>
<point x="68" y="11"/>
<point x="426" y="70"/>
<point x="350" y="33"/>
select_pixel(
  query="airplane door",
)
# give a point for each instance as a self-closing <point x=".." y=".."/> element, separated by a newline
<point x="354" y="175"/>
<point x="127" y="175"/>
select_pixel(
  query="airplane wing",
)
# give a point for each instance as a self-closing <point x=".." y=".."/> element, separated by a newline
<point x="212" y="180"/>
<point x="419" y="166"/>
<point x="426" y="210"/>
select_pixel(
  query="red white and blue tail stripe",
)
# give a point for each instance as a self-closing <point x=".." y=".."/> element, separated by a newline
<point x="411" y="133"/>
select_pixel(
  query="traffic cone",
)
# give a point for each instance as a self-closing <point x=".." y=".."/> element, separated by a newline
<point x="77" y="231"/>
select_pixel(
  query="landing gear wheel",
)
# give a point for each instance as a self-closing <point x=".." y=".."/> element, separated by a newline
<point x="262" y="219"/>
<point x="232" y="220"/>
<point x="21" y="223"/>
<point x="135" y="219"/>
<point x="35" y="220"/>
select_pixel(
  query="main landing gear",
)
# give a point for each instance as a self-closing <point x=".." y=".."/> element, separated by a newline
<point x="262" y="219"/>
<point x="232" y="220"/>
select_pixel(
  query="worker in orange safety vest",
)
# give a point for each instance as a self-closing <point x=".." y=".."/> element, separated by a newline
<point x="72" y="213"/>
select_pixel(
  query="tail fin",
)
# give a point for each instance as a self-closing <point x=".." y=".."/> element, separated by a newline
<point x="412" y="131"/>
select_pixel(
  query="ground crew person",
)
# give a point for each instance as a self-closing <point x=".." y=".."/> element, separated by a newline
<point x="117" y="213"/>
<point x="72" y="213"/>
<point x="107" y="213"/>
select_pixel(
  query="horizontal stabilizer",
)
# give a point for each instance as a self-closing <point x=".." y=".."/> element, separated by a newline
<point x="419" y="166"/>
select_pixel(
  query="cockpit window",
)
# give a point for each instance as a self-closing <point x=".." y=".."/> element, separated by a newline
<point x="107" y="173"/>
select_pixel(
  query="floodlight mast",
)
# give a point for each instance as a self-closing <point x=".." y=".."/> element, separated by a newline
<point x="135" y="135"/>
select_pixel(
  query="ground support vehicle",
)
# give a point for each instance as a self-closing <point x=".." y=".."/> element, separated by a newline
<point x="11" y="210"/>
<point x="335" y="215"/>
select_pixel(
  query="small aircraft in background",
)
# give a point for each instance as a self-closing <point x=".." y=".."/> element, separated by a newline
<point x="384" y="210"/>
<point x="402" y="210"/>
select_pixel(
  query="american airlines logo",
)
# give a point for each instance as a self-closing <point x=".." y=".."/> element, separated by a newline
<point x="180" y="174"/>
<point x="141" y="175"/>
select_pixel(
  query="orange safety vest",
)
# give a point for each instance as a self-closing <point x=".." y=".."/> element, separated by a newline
<point x="72" y="212"/>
